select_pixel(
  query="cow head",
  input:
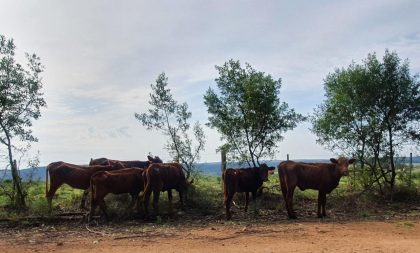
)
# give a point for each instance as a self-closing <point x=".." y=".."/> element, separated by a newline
<point x="155" y="159"/>
<point x="115" y="164"/>
<point x="342" y="165"/>
<point x="263" y="171"/>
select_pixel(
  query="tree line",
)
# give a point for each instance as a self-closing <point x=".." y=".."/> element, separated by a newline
<point x="371" y="110"/>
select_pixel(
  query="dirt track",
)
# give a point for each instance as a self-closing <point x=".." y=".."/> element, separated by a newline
<point x="349" y="236"/>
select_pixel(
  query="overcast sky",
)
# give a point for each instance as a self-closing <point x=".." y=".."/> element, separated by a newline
<point x="101" y="57"/>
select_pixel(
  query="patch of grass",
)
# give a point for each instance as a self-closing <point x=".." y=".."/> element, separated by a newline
<point x="206" y="195"/>
<point x="406" y="224"/>
<point x="205" y="201"/>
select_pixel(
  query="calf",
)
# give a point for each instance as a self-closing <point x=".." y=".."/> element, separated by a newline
<point x="323" y="177"/>
<point x="116" y="182"/>
<point x="75" y="176"/>
<point x="163" y="177"/>
<point x="243" y="180"/>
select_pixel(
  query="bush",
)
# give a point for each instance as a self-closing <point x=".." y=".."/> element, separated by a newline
<point x="206" y="195"/>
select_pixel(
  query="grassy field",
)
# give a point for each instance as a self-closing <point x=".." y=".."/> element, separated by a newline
<point x="205" y="200"/>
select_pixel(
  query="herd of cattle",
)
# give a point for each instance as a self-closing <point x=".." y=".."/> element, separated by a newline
<point x="104" y="176"/>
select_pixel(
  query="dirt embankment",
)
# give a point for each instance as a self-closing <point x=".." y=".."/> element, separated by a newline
<point x="348" y="236"/>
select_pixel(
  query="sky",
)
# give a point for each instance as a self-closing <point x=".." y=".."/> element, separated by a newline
<point x="100" y="58"/>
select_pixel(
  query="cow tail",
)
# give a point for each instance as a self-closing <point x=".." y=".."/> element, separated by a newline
<point x="283" y="177"/>
<point x="223" y="180"/>
<point x="92" y="191"/>
<point x="226" y="178"/>
<point x="46" y="181"/>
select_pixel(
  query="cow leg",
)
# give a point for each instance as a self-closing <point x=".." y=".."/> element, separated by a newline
<point x="289" y="203"/>
<point x="182" y="194"/>
<point x="156" y="194"/>
<point x="322" y="198"/>
<point x="254" y="201"/>
<point x="146" y="198"/>
<point x="93" y="205"/>
<point x="134" y="197"/>
<point x="321" y="204"/>
<point x="103" y="209"/>
<point x="83" y="202"/>
<point x="246" y="201"/>
<point x="170" y="200"/>
<point x="51" y="193"/>
<point x="228" y="202"/>
<point x="138" y="203"/>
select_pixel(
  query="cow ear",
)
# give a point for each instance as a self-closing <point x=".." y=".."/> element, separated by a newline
<point x="333" y="160"/>
<point x="352" y="161"/>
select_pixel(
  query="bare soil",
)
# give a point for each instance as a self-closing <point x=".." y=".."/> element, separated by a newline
<point x="398" y="235"/>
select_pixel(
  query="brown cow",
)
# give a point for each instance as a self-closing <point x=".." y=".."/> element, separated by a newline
<point x="116" y="182"/>
<point x="243" y="180"/>
<point x="76" y="176"/>
<point x="163" y="177"/>
<point x="127" y="164"/>
<point x="323" y="177"/>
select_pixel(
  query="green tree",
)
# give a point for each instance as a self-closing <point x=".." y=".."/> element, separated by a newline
<point x="248" y="113"/>
<point x="20" y="100"/>
<point x="172" y="118"/>
<point x="371" y="110"/>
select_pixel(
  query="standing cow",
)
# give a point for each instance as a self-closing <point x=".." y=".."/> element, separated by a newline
<point x="160" y="177"/>
<point x="323" y="177"/>
<point x="117" y="182"/>
<point x="76" y="176"/>
<point x="243" y="180"/>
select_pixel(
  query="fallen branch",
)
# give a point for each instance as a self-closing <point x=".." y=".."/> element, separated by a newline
<point x="127" y="237"/>
<point x="70" y="213"/>
<point x="95" y="232"/>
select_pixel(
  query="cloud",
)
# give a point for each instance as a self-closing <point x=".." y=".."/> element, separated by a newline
<point x="102" y="56"/>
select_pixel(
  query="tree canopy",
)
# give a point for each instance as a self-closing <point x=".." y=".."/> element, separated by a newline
<point x="172" y="118"/>
<point x="20" y="101"/>
<point x="247" y="111"/>
<point x="370" y="111"/>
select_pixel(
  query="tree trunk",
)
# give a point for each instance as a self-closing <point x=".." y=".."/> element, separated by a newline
<point x="223" y="164"/>
<point x="392" y="163"/>
<point x="19" y="196"/>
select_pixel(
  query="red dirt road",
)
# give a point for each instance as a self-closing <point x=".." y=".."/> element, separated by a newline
<point x="349" y="236"/>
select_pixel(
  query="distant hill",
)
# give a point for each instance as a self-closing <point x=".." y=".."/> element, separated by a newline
<point x="212" y="169"/>
<point x="36" y="174"/>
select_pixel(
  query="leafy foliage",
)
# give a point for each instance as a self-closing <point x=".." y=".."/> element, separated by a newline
<point x="370" y="111"/>
<point x="247" y="111"/>
<point x="172" y="118"/>
<point x="20" y="103"/>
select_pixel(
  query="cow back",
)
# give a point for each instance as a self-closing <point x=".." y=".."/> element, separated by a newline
<point x="119" y="181"/>
<point x="243" y="180"/>
<point x="76" y="176"/>
<point x="317" y="176"/>
<point x="165" y="176"/>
